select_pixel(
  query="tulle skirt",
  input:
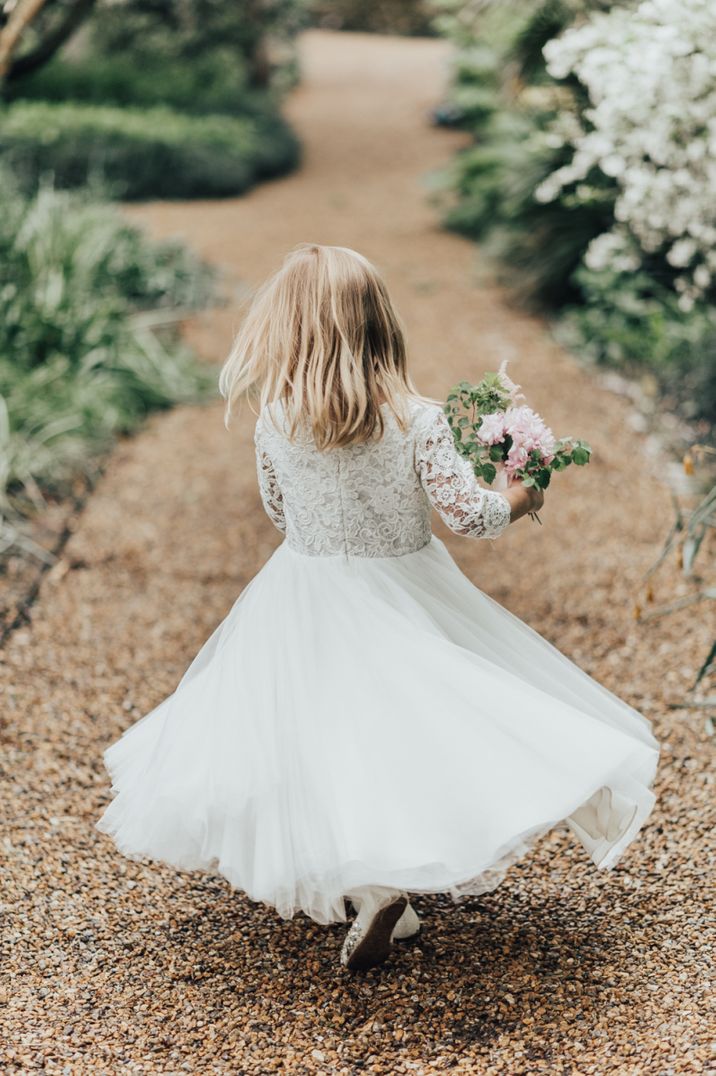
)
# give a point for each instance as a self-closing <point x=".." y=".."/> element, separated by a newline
<point x="376" y="721"/>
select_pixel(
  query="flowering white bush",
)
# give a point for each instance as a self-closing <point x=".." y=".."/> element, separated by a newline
<point x="650" y="72"/>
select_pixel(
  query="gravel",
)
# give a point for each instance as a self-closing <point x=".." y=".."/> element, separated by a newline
<point x="112" y="965"/>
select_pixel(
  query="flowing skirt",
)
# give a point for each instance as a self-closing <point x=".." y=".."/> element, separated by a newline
<point x="376" y="721"/>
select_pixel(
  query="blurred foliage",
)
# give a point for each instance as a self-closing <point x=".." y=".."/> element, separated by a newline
<point x="216" y="83"/>
<point x="123" y="105"/>
<point x="257" y="34"/>
<point x="631" y="321"/>
<point x="502" y="94"/>
<point x="540" y="23"/>
<point x="409" y="17"/>
<point x="490" y="185"/>
<point x="143" y="153"/>
<point x="79" y="362"/>
<point x="175" y="98"/>
<point x="32" y="31"/>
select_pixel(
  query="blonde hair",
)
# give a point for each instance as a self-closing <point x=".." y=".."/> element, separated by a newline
<point x="322" y="337"/>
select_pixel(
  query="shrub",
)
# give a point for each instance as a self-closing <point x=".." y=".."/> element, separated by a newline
<point x="208" y="84"/>
<point x="152" y="153"/>
<point x="254" y="41"/>
<point x="77" y="366"/>
<point x="412" y="17"/>
<point x="591" y="174"/>
<point x="492" y="186"/>
<point x="628" y="320"/>
<point x="647" y="128"/>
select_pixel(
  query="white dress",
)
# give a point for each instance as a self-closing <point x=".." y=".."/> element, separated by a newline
<point x="364" y="715"/>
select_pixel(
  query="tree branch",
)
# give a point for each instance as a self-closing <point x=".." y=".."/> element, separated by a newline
<point x="53" y="40"/>
<point x="21" y="17"/>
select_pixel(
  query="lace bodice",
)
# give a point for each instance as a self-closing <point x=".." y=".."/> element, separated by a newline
<point x="373" y="499"/>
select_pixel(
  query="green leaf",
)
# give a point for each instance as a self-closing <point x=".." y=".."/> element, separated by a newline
<point x="710" y="658"/>
<point x="580" y="456"/>
<point x="489" y="472"/>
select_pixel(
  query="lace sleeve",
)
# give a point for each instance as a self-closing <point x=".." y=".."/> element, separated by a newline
<point x="451" y="485"/>
<point x="271" y="495"/>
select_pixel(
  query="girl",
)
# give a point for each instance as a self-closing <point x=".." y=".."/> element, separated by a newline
<point x="365" y="723"/>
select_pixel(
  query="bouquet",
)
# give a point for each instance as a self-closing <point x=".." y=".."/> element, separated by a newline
<point x="504" y="439"/>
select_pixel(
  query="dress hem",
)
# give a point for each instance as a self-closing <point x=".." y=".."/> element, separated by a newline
<point x="462" y="883"/>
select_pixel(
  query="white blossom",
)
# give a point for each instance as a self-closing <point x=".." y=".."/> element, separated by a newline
<point x="650" y="73"/>
<point x="612" y="250"/>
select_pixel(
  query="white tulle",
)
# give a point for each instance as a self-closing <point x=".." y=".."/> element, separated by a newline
<point x="376" y="721"/>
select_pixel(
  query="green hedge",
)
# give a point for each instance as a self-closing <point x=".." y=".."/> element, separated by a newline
<point x="208" y="84"/>
<point x="147" y="153"/>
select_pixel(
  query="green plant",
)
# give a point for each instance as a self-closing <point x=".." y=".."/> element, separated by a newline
<point x="217" y="83"/>
<point x="142" y="153"/>
<point x="492" y="186"/>
<point x="553" y="237"/>
<point x="256" y="35"/>
<point x="503" y="97"/>
<point x="78" y="364"/>
<point x="632" y="320"/>
<point x="547" y="19"/>
<point x="410" y="17"/>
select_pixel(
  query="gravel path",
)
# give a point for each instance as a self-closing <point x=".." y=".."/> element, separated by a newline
<point x="114" y="966"/>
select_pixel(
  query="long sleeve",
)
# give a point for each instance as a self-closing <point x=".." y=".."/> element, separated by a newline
<point x="270" y="491"/>
<point x="450" y="483"/>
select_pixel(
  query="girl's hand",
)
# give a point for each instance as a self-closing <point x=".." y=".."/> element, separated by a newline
<point x="523" y="499"/>
<point x="537" y="495"/>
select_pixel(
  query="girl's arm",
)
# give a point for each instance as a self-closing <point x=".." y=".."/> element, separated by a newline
<point x="453" y="490"/>
<point x="270" y="491"/>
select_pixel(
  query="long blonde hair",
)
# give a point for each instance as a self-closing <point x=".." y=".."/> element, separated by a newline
<point x="322" y="337"/>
